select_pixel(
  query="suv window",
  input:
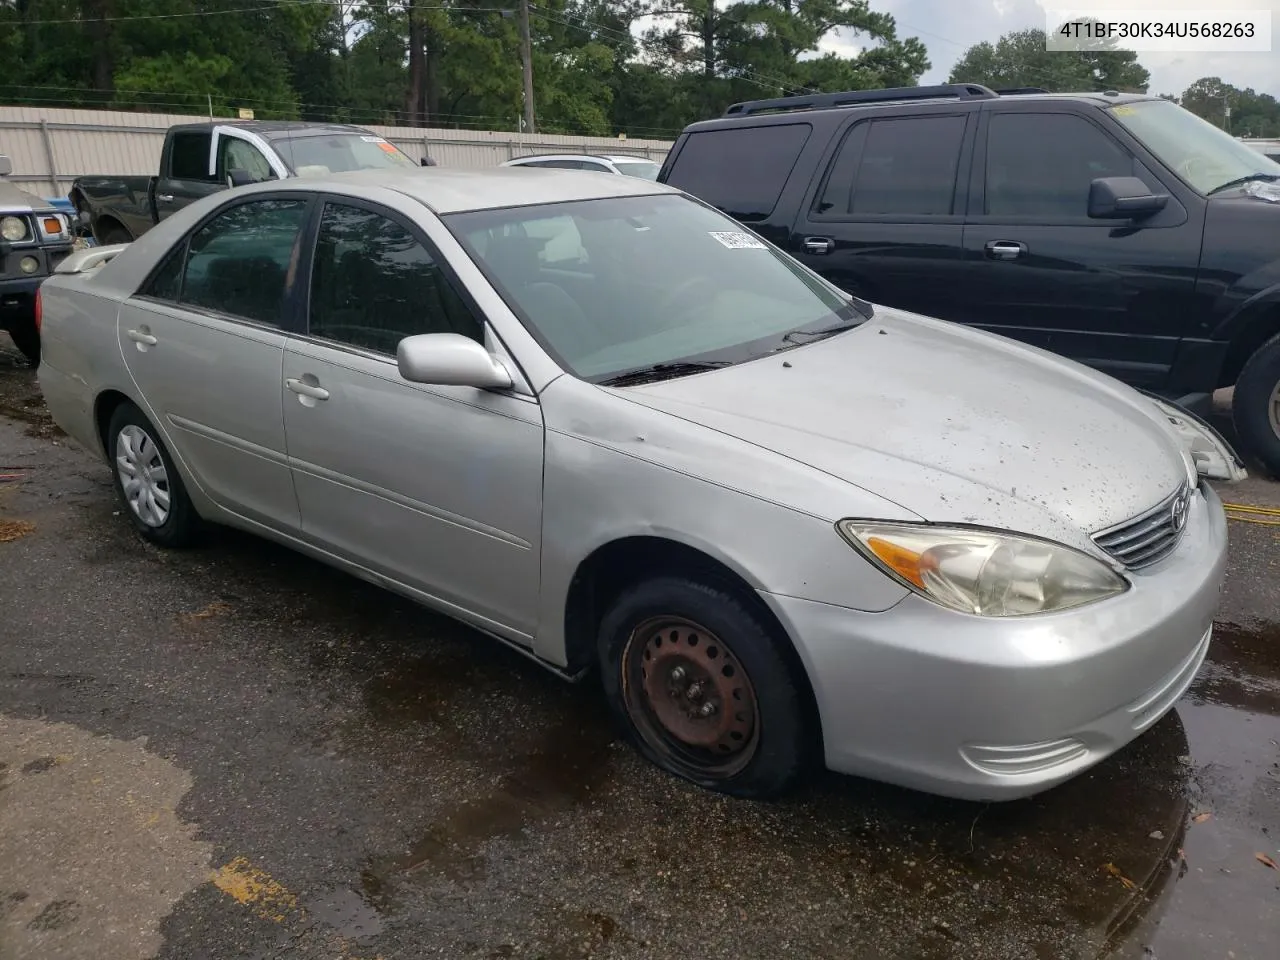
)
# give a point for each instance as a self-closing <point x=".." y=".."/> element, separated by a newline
<point x="189" y="156"/>
<point x="1041" y="164"/>
<point x="241" y="262"/>
<point x="741" y="170"/>
<point x="373" y="284"/>
<point x="904" y="166"/>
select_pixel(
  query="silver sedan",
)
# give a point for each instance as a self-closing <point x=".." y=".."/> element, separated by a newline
<point x="601" y="422"/>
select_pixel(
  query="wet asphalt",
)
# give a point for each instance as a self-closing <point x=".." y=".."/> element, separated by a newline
<point x="235" y="752"/>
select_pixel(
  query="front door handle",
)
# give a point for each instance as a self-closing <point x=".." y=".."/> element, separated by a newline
<point x="1005" y="249"/>
<point x="142" y="338"/>
<point x="309" y="390"/>
<point x="165" y="197"/>
<point x="818" y="245"/>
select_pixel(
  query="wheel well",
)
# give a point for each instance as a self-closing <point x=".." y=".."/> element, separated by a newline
<point x="102" y="225"/>
<point x="1262" y="326"/>
<point x="77" y="199"/>
<point x="103" y="410"/>
<point x="602" y="576"/>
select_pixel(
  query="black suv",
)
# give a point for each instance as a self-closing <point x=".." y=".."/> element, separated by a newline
<point x="1118" y="230"/>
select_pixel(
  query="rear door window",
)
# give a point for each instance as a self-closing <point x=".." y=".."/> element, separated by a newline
<point x="903" y="166"/>
<point x="741" y="170"/>
<point x="189" y="156"/>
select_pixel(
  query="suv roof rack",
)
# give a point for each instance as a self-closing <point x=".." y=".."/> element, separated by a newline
<point x="850" y="98"/>
<point x="1019" y="91"/>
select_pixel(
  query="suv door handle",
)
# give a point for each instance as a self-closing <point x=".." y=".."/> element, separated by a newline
<point x="304" y="389"/>
<point x="142" y="337"/>
<point x="165" y="197"/>
<point x="1005" y="249"/>
<point x="818" y="245"/>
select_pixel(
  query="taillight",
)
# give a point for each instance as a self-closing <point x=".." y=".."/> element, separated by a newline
<point x="39" y="310"/>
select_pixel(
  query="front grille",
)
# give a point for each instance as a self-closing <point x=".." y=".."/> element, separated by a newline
<point x="1151" y="536"/>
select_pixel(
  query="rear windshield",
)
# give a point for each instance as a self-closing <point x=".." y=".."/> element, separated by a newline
<point x="741" y="170"/>
<point x="337" y="153"/>
<point x="644" y="169"/>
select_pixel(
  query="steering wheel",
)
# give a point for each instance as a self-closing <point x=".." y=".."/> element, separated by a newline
<point x="1189" y="168"/>
<point x="684" y="288"/>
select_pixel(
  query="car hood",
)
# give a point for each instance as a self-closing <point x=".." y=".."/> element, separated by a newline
<point x="13" y="200"/>
<point x="952" y="424"/>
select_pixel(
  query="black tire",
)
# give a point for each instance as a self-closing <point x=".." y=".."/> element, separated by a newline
<point x="779" y="747"/>
<point x="27" y="339"/>
<point x="1251" y="403"/>
<point x="181" y="526"/>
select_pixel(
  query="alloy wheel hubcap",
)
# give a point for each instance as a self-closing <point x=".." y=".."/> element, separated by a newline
<point x="1273" y="409"/>
<point x="143" y="476"/>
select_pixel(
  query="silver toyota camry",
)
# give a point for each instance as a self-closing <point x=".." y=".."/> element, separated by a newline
<point x="601" y="422"/>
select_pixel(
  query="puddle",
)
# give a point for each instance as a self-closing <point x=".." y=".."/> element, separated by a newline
<point x="346" y="913"/>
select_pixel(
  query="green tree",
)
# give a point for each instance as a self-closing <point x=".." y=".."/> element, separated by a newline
<point x="1019" y="59"/>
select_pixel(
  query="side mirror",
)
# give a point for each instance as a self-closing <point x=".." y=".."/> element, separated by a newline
<point x="450" y="360"/>
<point x="239" y="178"/>
<point x="1123" y="198"/>
<point x="6" y="166"/>
<point x="427" y="162"/>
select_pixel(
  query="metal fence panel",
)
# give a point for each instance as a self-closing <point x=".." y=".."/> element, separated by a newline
<point x="51" y="147"/>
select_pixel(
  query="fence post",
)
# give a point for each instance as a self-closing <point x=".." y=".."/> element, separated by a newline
<point x="48" y="152"/>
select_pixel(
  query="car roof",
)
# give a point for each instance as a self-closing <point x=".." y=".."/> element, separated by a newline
<point x="1098" y="98"/>
<point x="276" y="129"/>
<point x="611" y="157"/>
<point x="454" y="190"/>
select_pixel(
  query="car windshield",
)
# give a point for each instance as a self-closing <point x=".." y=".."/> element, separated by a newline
<point x="1203" y="155"/>
<point x="645" y="169"/>
<point x="624" y="284"/>
<point x="313" y="156"/>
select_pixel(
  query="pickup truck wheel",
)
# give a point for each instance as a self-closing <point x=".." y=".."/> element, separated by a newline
<point x="1255" y="407"/>
<point x="113" y="235"/>
<point x="700" y="681"/>
<point x="27" y="339"/>
<point x="147" y="481"/>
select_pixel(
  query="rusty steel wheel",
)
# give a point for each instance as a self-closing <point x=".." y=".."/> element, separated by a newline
<point x="689" y="697"/>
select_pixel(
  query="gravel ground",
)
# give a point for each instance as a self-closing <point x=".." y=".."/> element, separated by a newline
<point x="234" y="752"/>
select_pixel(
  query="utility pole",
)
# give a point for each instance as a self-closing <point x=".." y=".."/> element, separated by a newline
<point x="526" y="56"/>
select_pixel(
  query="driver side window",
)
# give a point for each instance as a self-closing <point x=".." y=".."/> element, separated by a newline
<point x="237" y="154"/>
<point x="1041" y="164"/>
<point x="373" y="284"/>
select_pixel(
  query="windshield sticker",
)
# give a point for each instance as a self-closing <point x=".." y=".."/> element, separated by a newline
<point x="387" y="147"/>
<point x="1124" y="111"/>
<point x="738" y="241"/>
<point x="373" y="140"/>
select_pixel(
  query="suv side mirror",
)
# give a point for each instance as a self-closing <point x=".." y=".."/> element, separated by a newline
<point x="1123" y="198"/>
<point x="6" y="166"/>
<point x="450" y="360"/>
<point x="427" y="162"/>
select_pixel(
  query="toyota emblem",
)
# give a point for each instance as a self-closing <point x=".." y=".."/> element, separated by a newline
<point x="1179" y="512"/>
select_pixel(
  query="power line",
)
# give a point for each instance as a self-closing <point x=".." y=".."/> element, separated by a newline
<point x="262" y="8"/>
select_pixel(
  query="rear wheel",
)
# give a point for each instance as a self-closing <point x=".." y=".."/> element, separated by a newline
<point x="1255" y="405"/>
<point x="147" y="481"/>
<point x="700" y="681"/>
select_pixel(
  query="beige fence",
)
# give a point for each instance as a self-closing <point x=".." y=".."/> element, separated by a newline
<point x="50" y="148"/>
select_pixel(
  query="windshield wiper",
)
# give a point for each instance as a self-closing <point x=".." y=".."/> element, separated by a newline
<point x="663" y="371"/>
<point x="1241" y="181"/>
<point x="821" y="333"/>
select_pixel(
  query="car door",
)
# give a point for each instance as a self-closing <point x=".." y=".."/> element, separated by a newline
<point x="885" y="221"/>
<point x="244" y="152"/>
<point x="1112" y="294"/>
<point x="438" y="488"/>
<point x="186" y="171"/>
<point x="204" y="343"/>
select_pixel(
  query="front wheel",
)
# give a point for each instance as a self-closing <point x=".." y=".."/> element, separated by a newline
<point x="147" y="481"/>
<point x="700" y="681"/>
<point x="26" y="338"/>
<point x="1255" y="405"/>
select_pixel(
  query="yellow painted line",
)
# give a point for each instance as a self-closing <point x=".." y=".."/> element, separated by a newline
<point x="1250" y="508"/>
<point x="254" y="888"/>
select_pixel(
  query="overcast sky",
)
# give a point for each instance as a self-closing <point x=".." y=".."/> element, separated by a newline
<point x="949" y="27"/>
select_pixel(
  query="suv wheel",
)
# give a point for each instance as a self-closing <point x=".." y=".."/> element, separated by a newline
<point x="27" y="339"/>
<point x="1255" y="408"/>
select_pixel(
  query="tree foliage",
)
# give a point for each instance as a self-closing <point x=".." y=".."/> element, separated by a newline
<point x="1019" y="59"/>
<point x="644" y="67"/>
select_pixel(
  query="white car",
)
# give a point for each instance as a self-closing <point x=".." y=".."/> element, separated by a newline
<point x="628" y="166"/>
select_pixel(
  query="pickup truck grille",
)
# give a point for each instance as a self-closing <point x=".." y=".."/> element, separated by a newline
<point x="1151" y="536"/>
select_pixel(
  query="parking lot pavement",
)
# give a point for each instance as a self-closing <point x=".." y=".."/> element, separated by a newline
<point x="234" y="752"/>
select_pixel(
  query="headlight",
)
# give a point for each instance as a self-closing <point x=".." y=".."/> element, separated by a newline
<point x="29" y="264"/>
<point x="13" y="229"/>
<point x="984" y="572"/>
<point x="1212" y="455"/>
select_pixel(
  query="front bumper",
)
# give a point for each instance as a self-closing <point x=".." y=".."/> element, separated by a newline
<point x="995" y="709"/>
<point x="17" y="300"/>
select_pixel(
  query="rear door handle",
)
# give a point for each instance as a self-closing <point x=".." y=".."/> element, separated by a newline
<point x="818" y="245"/>
<point x="1005" y="249"/>
<point x="140" y="336"/>
<point x="304" y="389"/>
<point x="165" y="197"/>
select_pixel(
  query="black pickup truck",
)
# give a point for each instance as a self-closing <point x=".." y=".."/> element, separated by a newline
<point x="1118" y="230"/>
<point x="202" y="158"/>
